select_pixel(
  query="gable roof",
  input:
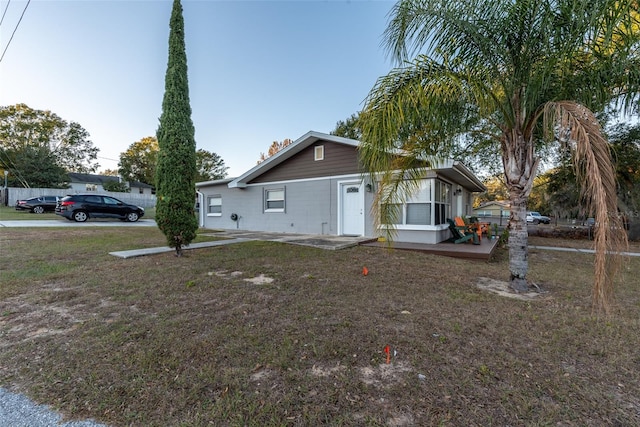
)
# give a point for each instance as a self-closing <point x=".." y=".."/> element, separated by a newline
<point x="453" y="170"/>
<point x="292" y="149"/>
<point x="89" y="178"/>
<point x="497" y="203"/>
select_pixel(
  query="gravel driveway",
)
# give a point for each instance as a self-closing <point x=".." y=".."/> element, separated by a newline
<point x="17" y="410"/>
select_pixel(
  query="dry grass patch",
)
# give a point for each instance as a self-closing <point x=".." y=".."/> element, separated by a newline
<point x="166" y="341"/>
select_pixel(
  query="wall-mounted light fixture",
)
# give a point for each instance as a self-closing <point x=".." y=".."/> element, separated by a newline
<point x="458" y="191"/>
<point x="369" y="188"/>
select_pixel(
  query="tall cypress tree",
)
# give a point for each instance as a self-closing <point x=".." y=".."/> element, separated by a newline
<point x="176" y="167"/>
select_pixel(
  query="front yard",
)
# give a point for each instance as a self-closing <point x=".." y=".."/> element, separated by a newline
<point x="209" y="339"/>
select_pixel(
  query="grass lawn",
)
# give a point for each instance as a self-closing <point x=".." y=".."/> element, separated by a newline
<point x="206" y="339"/>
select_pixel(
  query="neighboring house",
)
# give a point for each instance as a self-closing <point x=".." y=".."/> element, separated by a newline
<point x="86" y="182"/>
<point x="496" y="209"/>
<point x="316" y="186"/>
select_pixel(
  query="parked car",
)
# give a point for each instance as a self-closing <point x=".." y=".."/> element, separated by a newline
<point x="38" y="205"/>
<point x="80" y="207"/>
<point x="536" y="218"/>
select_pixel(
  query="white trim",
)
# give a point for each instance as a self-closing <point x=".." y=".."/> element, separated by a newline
<point x="438" y="227"/>
<point x="266" y="191"/>
<point x="341" y="184"/>
<point x="352" y="176"/>
<point x="318" y="152"/>
<point x="295" y="147"/>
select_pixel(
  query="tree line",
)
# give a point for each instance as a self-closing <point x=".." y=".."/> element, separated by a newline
<point x="38" y="148"/>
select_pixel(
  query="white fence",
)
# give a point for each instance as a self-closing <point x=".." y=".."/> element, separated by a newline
<point x="11" y="194"/>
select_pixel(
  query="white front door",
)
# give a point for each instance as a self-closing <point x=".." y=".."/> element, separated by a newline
<point x="352" y="209"/>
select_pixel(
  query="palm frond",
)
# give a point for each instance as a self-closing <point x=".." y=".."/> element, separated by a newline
<point x="578" y="128"/>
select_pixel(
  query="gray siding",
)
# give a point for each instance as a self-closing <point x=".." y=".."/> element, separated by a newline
<point x="311" y="207"/>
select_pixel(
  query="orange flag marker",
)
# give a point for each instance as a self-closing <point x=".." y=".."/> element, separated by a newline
<point x="365" y="271"/>
<point x="387" y="350"/>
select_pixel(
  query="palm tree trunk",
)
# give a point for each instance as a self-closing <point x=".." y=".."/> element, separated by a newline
<point x="519" y="169"/>
<point x="518" y="243"/>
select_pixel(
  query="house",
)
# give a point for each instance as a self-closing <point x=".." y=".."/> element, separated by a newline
<point x="317" y="186"/>
<point x="495" y="209"/>
<point x="86" y="182"/>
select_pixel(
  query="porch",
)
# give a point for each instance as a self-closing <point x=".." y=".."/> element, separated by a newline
<point x="483" y="251"/>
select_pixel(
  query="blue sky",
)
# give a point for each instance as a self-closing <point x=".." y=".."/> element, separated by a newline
<point x="259" y="71"/>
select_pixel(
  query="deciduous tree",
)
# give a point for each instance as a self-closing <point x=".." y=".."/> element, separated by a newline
<point x="25" y="133"/>
<point x="209" y="166"/>
<point x="274" y="148"/>
<point x="139" y="162"/>
<point x="348" y="128"/>
<point x="36" y="167"/>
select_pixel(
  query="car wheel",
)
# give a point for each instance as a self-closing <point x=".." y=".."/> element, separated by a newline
<point x="132" y="216"/>
<point x="80" y="216"/>
<point x="536" y="222"/>
<point x="38" y="209"/>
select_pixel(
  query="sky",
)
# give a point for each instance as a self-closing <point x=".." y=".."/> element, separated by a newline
<point x="259" y="71"/>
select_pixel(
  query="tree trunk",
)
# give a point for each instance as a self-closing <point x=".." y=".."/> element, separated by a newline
<point x="519" y="169"/>
<point x="518" y="243"/>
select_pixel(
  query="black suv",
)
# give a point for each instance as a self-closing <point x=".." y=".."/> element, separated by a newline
<point x="80" y="207"/>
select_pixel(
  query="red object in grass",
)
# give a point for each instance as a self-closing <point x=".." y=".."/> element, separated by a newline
<point x="365" y="271"/>
<point x="387" y="350"/>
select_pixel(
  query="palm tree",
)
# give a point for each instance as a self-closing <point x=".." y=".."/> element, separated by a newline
<point x="520" y="74"/>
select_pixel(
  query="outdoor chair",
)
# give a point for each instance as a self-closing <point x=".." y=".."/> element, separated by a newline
<point x="462" y="234"/>
<point x="473" y="226"/>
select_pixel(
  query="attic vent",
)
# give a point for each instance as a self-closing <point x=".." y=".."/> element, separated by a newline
<point x="318" y="152"/>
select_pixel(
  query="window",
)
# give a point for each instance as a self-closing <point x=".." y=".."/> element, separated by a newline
<point x="214" y="205"/>
<point x="442" y="201"/>
<point x="274" y="200"/>
<point x="418" y="213"/>
<point x="93" y="199"/>
<point x="91" y="187"/>
<point x="429" y="205"/>
<point x="318" y="152"/>
<point x="394" y="214"/>
<point x="110" y="201"/>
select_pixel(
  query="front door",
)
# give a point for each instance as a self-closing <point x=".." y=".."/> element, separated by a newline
<point x="352" y="209"/>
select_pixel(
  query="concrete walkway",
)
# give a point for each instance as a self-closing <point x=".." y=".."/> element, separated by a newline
<point x="162" y="249"/>
<point x="317" y="241"/>
<point x="582" y="251"/>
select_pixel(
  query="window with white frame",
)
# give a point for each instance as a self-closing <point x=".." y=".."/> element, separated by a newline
<point x="429" y="205"/>
<point x="274" y="200"/>
<point x="214" y="205"/>
<point x="442" y="199"/>
<point x="318" y="152"/>
<point x="91" y="187"/>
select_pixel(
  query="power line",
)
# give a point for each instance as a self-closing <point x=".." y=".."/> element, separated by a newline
<point x="15" y="29"/>
<point x="5" y="12"/>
